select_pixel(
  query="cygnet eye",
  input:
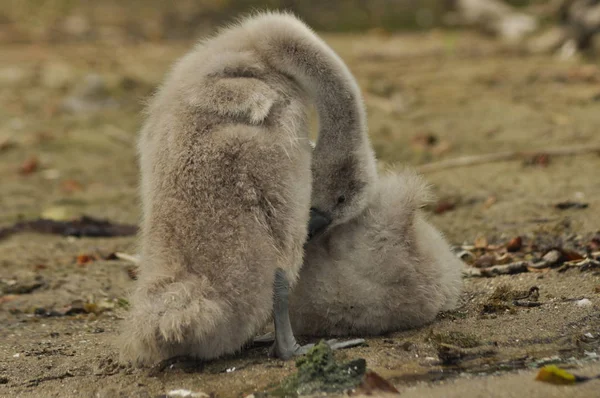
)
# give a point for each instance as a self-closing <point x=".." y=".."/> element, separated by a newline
<point x="341" y="199"/>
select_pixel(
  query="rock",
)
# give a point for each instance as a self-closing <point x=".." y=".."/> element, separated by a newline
<point x="583" y="303"/>
<point x="552" y="257"/>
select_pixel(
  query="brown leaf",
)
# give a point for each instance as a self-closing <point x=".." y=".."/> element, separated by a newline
<point x="572" y="255"/>
<point x="39" y="267"/>
<point x="84" y="259"/>
<point x="29" y="166"/>
<point x="373" y="383"/>
<point x="515" y="244"/>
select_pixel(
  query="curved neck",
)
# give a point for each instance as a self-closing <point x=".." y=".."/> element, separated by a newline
<point x="292" y="48"/>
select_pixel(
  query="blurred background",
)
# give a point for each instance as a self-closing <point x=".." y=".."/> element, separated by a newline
<point x="441" y="78"/>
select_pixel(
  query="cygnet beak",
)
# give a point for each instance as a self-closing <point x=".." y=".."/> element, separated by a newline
<point x="317" y="223"/>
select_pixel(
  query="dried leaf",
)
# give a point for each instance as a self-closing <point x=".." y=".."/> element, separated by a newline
<point x="84" y="259"/>
<point x="554" y="375"/>
<point x="570" y="255"/>
<point x="29" y="166"/>
<point x="374" y="383"/>
<point x="514" y="244"/>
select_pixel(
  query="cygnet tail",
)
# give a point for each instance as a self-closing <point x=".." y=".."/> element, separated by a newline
<point x="165" y="320"/>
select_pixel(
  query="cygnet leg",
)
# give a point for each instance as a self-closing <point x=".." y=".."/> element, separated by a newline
<point x="285" y="345"/>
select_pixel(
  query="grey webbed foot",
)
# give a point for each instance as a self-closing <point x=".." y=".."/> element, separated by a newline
<point x="335" y="344"/>
<point x="285" y="352"/>
<point x="285" y="345"/>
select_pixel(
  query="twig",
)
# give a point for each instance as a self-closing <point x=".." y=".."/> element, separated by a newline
<point x="505" y="156"/>
<point x="528" y="304"/>
<point x="128" y="257"/>
<point x="584" y="265"/>
<point x="507" y="269"/>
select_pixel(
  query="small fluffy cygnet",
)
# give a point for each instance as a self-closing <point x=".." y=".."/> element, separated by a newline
<point x="385" y="269"/>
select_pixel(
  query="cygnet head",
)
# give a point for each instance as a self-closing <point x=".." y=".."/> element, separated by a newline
<point x="341" y="189"/>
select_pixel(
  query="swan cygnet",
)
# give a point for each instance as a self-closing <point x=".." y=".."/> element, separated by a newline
<point x="384" y="268"/>
<point x="226" y="177"/>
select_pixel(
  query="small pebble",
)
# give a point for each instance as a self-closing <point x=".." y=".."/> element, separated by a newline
<point x="583" y="303"/>
<point x="552" y="257"/>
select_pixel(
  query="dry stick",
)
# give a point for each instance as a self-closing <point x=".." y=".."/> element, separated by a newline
<point x="128" y="257"/>
<point x="506" y="269"/>
<point x="504" y="156"/>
